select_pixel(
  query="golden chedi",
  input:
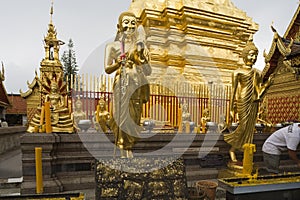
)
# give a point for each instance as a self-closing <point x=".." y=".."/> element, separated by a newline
<point x="196" y="39"/>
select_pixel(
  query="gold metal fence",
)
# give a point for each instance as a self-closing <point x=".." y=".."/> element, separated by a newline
<point x="164" y="102"/>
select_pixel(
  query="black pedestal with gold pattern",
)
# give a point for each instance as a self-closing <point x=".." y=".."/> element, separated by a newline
<point x="141" y="178"/>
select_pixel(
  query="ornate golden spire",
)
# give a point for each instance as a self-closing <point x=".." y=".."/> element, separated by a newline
<point x="51" y="11"/>
<point x="51" y="30"/>
<point x="52" y="44"/>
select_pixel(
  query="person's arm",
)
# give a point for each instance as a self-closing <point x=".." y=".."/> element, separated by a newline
<point x="294" y="157"/>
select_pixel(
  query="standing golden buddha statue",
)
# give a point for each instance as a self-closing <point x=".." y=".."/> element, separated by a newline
<point x="248" y="90"/>
<point x="129" y="57"/>
<point x="102" y="117"/>
<point x="78" y="115"/>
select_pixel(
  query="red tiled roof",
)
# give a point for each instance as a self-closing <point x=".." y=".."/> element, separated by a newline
<point x="19" y="105"/>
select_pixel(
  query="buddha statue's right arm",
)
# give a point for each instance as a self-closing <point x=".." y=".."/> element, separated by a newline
<point x="112" y="61"/>
<point x="233" y="94"/>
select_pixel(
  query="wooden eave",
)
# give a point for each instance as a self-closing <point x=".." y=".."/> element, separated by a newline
<point x="294" y="25"/>
<point x="3" y="104"/>
<point x="279" y="47"/>
<point x="277" y="43"/>
<point x="31" y="85"/>
<point x="295" y="50"/>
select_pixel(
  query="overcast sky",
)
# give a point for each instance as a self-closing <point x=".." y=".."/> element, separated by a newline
<point x="91" y="24"/>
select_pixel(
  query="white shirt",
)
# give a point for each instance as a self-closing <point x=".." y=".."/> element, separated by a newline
<point x="283" y="139"/>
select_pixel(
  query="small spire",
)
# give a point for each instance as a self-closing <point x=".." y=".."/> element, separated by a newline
<point x="51" y="10"/>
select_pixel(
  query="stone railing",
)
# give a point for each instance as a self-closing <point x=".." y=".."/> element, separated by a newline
<point x="69" y="159"/>
<point x="10" y="137"/>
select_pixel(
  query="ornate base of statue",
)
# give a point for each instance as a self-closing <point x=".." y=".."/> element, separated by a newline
<point x="141" y="178"/>
<point x="235" y="167"/>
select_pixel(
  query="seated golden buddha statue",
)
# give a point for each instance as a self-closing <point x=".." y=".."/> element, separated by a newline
<point x="61" y="121"/>
<point x="102" y="117"/>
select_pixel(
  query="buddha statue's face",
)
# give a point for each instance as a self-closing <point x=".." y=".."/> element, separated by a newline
<point x="129" y="25"/>
<point x="251" y="58"/>
<point x="102" y="104"/>
<point x="53" y="88"/>
<point x="78" y="106"/>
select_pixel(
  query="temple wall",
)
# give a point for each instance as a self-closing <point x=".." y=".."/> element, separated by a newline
<point x="283" y="97"/>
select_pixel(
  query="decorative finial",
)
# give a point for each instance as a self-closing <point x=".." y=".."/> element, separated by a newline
<point x="2" y="76"/>
<point x="51" y="10"/>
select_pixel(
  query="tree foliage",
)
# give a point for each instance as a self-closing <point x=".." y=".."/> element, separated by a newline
<point x="70" y="66"/>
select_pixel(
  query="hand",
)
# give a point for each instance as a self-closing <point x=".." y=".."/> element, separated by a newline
<point x="231" y="116"/>
<point x="140" y="47"/>
<point x="129" y="64"/>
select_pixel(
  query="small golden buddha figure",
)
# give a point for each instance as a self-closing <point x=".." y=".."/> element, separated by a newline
<point x="204" y="119"/>
<point x="78" y="115"/>
<point x="102" y="116"/>
<point x="248" y="90"/>
<point x="129" y="57"/>
<point x="186" y="118"/>
<point x="60" y="117"/>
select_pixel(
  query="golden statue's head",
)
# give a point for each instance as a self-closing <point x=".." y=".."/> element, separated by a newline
<point x="250" y="52"/>
<point x="53" y="86"/>
<point x="206" y="112"/>
<point x="102" y="102"/>
<point x="127" y="23"/>
<point x="78" y="104"/>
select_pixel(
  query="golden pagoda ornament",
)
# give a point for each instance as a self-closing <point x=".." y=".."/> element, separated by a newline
<point x="47" y="98"/>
